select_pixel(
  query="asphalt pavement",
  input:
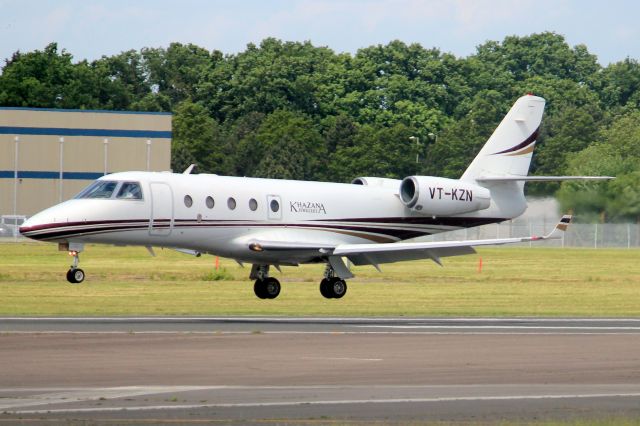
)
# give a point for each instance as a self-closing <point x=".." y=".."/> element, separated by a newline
<point x="251" y="370"/>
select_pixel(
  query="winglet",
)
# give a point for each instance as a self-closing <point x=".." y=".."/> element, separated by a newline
<point x="560" y="228"/>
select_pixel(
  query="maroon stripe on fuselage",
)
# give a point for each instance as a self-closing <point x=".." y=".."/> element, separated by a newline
<point x="528" y="141"/>
<point x="26" y="229"/>
<point x="70" y="233"/>
<point x="67" y="233"/>
<point x="57" y="231"/>
<point x="460" y="222"/>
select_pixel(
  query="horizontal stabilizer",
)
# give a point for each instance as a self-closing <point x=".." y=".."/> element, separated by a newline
<point x="539" y="178"/>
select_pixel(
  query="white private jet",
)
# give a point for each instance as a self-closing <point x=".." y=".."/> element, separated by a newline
<point x="269" y="222"/>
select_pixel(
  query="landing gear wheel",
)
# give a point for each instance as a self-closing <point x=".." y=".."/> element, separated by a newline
<point x="272" y="288"/>
<point x="75" y="276"/>
<point x="269" y="288"/>
<point x="338" y="288"/>
<point x="325" y="288"/>
<point x="333" y="288"/>
<point x="259" y="289"/>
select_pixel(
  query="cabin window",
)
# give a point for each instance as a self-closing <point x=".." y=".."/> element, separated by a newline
<point x="188" y="201"/>
<point x="99" y="189"/>
<point x="253" y="204"/>
<point x="231" y="203"/>
<point x="275" y="205"/>
<point x="210" y="202"/>
<point x="130" y="191"/>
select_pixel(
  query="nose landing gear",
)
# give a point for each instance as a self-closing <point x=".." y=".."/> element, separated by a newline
<point x="75" y="275"/>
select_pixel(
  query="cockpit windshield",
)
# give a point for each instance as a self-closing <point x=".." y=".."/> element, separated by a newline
<point x="107" y="189"/>
<point x="98" y="189"/>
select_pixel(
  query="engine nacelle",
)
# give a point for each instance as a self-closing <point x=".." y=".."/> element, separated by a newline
<point x="377" y="181"/>
<point x="434" y="196"/>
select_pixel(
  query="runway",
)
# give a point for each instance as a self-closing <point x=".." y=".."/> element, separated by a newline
<point x="216" y="325"/>
<point x="315" y="370"/>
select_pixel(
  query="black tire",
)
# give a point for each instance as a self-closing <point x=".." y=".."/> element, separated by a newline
<point x="75" y="276"/>
<point x="259" y="289"/>
<point x="271" y="288"/>
<point x="338" y="288"/>
<point x="325" y="288"/>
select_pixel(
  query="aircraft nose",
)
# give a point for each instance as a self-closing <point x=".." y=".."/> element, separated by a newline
<point x="26" y="227"/>
<point x="31" y="227"/>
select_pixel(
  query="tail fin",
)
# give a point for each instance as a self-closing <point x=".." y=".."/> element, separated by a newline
<point x="509" y="149"/>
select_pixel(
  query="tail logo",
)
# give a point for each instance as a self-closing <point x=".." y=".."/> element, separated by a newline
<point x="524" y="147"/>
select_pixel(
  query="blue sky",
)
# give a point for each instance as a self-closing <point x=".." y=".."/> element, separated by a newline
<point x="91" y="28"/>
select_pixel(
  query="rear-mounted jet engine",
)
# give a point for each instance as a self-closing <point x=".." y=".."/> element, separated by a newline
<point x="433" y="196"/>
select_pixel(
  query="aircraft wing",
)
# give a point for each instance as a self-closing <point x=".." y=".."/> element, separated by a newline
<point x="373" y="254"/>
<point x="539" y="178"/>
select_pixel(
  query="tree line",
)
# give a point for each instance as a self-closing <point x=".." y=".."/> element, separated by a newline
<point x="298" y="111"/>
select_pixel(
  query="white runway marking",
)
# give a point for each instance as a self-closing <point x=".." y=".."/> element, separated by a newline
<point x="629" y="332"/>
<point x="315" y="326"/>
<point x="496" y="327"/>
<point x="328" y="402"/>
<point x="340" y="358"/>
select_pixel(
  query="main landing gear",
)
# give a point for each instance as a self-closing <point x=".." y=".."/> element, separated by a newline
<point x="268" y="288"/>
<point x="75" y="275"/>
<point x="265" y="287"/>
<point x="332" y="287"/>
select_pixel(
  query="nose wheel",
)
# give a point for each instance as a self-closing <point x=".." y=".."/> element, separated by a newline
<point x="75" y="275"/>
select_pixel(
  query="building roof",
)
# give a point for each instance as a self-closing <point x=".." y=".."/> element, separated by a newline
<point x="100" y="111"/>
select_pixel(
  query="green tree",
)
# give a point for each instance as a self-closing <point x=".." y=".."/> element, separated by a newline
<point x="617" y="155"/>
<point x="339" y="131"/>
<point x="197" y="138"/>
<point x="275" y="75"/>
<point x="459" y="142"/>
<point x="380" y="76"/>
<point x="243" y="142"/>
<point x="385" y="152"/>
<point x="175" y="72"/>
<point x="570" y="130"/>
<point x="123" y="79"/>
<point x="47" y="78"/>
<point x="619" y="84"/>
<point x="290" y="147"/>
<point x="542" y="54"/>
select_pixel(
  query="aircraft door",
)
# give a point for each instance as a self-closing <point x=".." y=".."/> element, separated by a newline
<point x="161" y="220"/>
<point x="274" y="207"/>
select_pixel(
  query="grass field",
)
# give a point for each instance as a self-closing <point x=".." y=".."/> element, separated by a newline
<point x="513" y="282"/>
